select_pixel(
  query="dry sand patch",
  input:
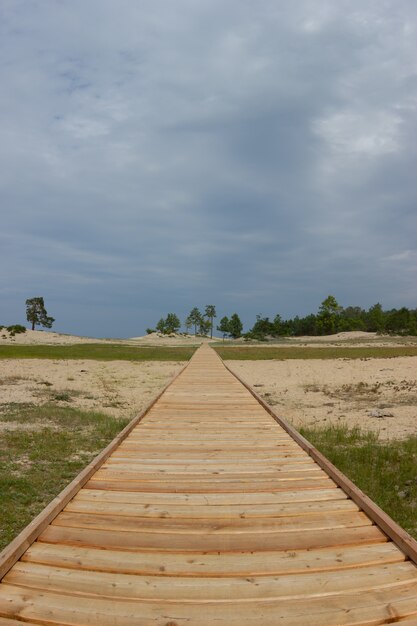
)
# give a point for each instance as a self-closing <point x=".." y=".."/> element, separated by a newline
<point x="118" y="388"/>
<point x="323" y="392"/>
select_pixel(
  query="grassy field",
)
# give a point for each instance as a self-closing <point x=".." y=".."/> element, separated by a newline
<point x="97" y="351"/>
<point x="385" y="471"/>
<point x="257" y="353"/>
<point x="42" y="448"/>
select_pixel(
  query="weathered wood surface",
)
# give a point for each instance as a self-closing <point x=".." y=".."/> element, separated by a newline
<point x="210" y="513"/>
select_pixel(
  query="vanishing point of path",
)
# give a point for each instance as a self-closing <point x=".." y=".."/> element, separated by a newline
<point x="207" y="514"/>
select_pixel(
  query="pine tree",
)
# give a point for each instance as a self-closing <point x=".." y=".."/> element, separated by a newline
<point x="210" y="312"/>
<point x="172" y="323"/>
<point x="36" y="313"/>
<point x="328" y="316"/>
<point x="235" y="326"/>
<point x="160" y="327"/>
<point x="195" y="317"/>
<point x="224" y="326"/>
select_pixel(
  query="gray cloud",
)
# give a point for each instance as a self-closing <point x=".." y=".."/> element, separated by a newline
<point x="155" y="156"/>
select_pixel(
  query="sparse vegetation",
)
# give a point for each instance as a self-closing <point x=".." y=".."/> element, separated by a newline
<point x="16" y="329"/>
<point x="361" y="390"/>
<point x="99" y="352"/>
<point x="11" y="380"/>
<point x="385" y="471"/>
<point x="64" y="396"/>
<point x="42" y="448"/>
<point x="294" y="352"/>
<point x="377" y="393"/>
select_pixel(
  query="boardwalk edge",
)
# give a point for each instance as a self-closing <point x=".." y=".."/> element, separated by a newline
<point x="399" y="536"/>
<point x="18" y="546"/>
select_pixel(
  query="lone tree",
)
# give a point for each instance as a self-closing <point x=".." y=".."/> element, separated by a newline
<point x="203" y="326"/>
<point x="194" y="317"/>
<point x="160" y="327"/>
<point x="172" y="323"/>
<point x="235" y="326"/>
<point x="36" y="313"/>
<point x="224" y="326"/>
<point x="328" y="316"/>
<point x="188" y="324"/>
<point x="210" y="312"/>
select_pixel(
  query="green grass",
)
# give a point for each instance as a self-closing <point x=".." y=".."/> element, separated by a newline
<point x="385" y="471"/>
<point x="288" y="352"/>
<point x="47" y="447"/>
<point x="98" y="352"/>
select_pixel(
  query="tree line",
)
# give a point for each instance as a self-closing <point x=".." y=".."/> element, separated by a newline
<point x="330" y="318"/>
<point x="200" y="323"/>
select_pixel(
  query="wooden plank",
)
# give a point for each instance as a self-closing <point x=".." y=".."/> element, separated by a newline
<point x="247" y="457"/>
<point x="195" y="464"/>
<point x="402" y="539"/>
<point x="213" y="499"/>
<point x="228" y="542"/>
<point x="368" y="607"/>
<point x="149" y="563"/>
<point x="17" y="547"/>
<point x="210" y="487"/>
<point x="205" y="512"/>
<point x="210" y="476"/>
<point x="289" y="523"/>
<point x="186" y="446"/>
<point x="287" y="464"/>
<point x="128" y="586"/>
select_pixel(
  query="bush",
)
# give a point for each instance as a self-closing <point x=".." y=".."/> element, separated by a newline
<point x="15" y="329"/>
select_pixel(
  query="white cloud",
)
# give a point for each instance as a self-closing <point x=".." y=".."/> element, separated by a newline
<point x="371" y="133"/>
<point x="406" y="256"/>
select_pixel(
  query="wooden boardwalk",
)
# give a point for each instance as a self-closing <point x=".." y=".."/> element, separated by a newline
<point x="208" y="513"/>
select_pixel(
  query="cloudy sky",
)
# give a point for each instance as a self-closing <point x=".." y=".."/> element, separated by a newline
<point x="159" y="155"/>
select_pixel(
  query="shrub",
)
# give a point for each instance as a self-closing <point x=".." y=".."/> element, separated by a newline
<point x="15" y="329"/>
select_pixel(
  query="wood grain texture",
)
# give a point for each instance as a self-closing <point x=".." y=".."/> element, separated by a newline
<point x="208" y="512"/>
<point x="403" y="539"/>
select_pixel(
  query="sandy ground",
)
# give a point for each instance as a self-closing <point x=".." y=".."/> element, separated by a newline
<point x="39" y="337"/>
<point x="380" y="394"/>
<point x="376" y="394"/>
<point x="118" y="388"/>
